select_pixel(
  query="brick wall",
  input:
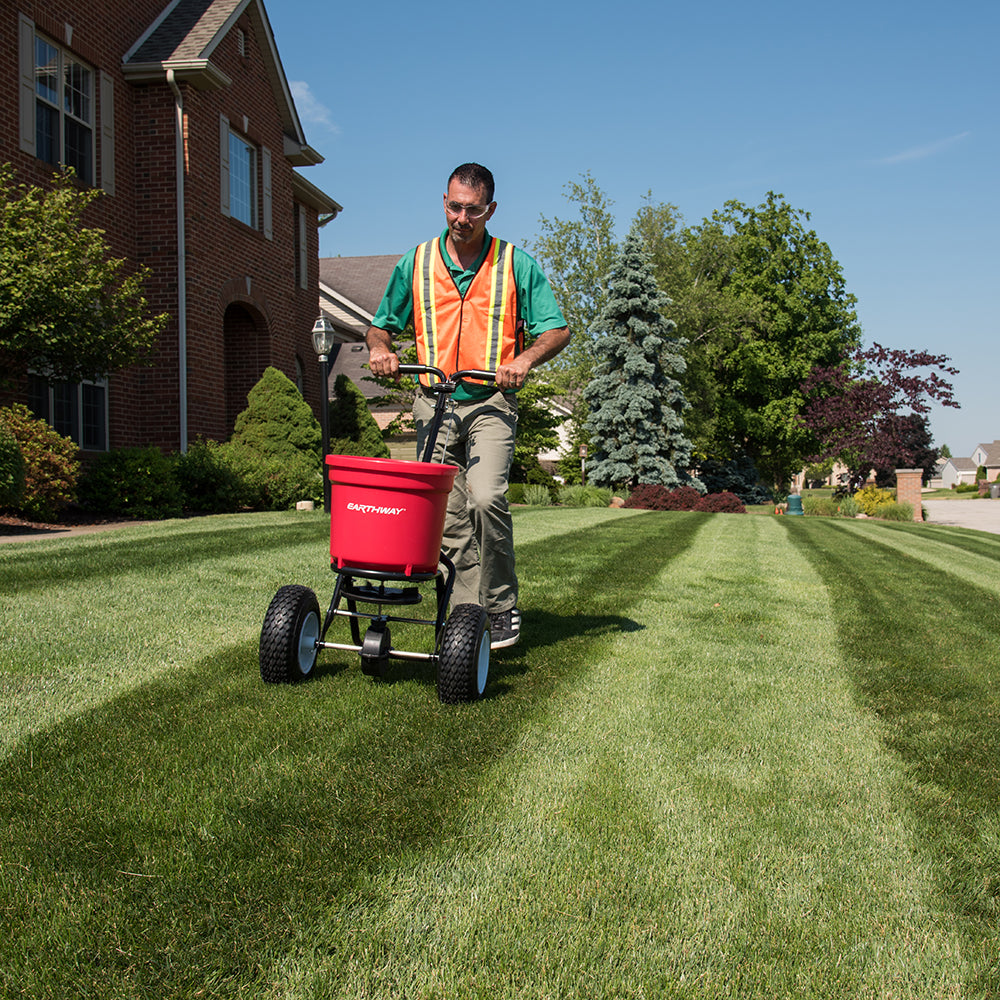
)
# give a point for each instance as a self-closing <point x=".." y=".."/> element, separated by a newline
<point x="245" y="310"/>
<point x="908" y="482"/>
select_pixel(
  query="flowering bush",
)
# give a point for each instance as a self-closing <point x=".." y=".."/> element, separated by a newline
<point x="870" y="498"/>
<point x="51" y="465"/>
<point x="720" y="503"/>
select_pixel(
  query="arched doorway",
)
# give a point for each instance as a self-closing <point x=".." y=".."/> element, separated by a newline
<point x="246" y="352"/>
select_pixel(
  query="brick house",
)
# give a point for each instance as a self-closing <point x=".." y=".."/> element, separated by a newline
<point x="180" y="111"/>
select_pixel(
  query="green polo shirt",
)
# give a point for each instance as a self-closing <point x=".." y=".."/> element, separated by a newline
<point x="535" y="302"/>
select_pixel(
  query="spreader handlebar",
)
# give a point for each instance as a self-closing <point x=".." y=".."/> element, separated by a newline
<point x="483" y="376"/>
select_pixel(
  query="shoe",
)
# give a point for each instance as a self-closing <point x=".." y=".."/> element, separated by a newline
<point x="505" y="628"/>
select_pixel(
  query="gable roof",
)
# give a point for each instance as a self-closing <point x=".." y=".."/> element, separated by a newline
<point x="351" y="288"/>
<point x="961" y="464"/>
<point x="180" y="45"/>
<point x="362" y="280"/>
<point x="991" y="451"/>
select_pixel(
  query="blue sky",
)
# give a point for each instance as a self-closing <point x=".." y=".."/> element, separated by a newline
<point x="878" y="118"/>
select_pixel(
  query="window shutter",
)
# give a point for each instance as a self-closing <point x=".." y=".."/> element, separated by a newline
<point x="107" y="133"/>
<point x="224" y="164"/>
<point x="26" y="59"/>
<point x="265" y="174"/>
<point x="303" y="250"/>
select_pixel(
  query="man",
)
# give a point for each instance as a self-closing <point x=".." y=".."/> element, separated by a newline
<point x="472" y="298"/>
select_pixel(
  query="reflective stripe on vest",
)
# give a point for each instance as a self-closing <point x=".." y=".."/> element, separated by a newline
<point x="478" y="331"/>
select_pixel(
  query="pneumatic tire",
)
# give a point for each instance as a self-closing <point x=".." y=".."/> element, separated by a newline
<point x="464" y="657"/>
<point x="289" y="635"/>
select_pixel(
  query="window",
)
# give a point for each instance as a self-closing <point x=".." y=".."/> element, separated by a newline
<point x="64" y="109"/>
<point x="240" y="195"/>
<point x="77" y="411"/>
<point x="242" y="180"/>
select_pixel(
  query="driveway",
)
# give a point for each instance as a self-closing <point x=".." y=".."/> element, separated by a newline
<point x="983" y="515"/>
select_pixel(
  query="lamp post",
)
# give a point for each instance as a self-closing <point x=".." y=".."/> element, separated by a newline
<point x="322" y="338"/>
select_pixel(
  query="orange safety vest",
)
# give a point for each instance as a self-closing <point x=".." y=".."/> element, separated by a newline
<point x="479" y="330"/>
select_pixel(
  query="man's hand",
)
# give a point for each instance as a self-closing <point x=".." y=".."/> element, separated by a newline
<point x="382" y="359"/>
<point x="511" y="377"/>
<point x="547" y="345"/>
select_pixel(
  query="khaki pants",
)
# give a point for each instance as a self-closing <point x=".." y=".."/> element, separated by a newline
<point x="478" y="437"/>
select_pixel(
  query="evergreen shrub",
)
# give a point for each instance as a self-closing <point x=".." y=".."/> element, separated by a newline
<point x="51" y="464"/>
<point x="207" y="484"/>
<point x="720" y="503"/>
<point x="353" y="430"/>
<point x="278" y="421"/>
<point x="132" y="483"/>
<point x="515" y="493"/>
<point x="11" y="469"/>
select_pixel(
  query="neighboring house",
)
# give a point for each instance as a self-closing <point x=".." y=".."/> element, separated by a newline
<point x="181" y="113"/>
<point x="350" y="290"/>
<point x="988" y="455"/>
<point x="954" y="471"/>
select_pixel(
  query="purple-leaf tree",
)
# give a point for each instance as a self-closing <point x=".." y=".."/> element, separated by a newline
<point x="858" y="411"/>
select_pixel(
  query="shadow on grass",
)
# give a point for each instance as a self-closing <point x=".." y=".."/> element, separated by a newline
<point x="103" y="555"/>
<point x="193" y="834"/>
<point x="921" y="642"/>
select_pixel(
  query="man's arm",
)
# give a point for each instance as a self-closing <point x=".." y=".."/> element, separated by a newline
<point x="382" y="358"/>
<point x="546" y="345"/>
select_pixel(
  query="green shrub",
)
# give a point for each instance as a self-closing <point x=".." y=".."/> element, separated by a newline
<point x="278" y="421"/>
<point x="269" y="482"/>
<point x="819" y="506"/>
<point x="576" y="495"/>
<point x="966" y="488"/>
<point x="849" y="507"/>
<point x="51" y="463"/>
<point x="353" y="430"/>
<point x="892" y="511"/>
<point x="132" y="483"/>
<point x="515" y="493"/>
<point x="537" y="495"/>
<point x="207" y="484"/>
<point x="869" y="499"/>
<point x="11" y="469"/>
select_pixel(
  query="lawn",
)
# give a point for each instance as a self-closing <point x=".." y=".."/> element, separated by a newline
<point x="731" y="757"/>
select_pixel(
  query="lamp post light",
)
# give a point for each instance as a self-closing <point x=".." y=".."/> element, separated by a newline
<point x="322" y="338"/>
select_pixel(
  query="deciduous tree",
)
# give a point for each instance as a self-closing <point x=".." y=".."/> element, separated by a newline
<point x="858" y="409"/>
<point x="67" y="308"/>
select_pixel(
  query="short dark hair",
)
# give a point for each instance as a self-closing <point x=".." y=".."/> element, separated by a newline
<point x="474" y="175"/>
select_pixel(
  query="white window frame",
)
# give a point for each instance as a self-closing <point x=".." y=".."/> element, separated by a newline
<point x="258" y="180"/>
<point x="76" y="430"/>
<point x="242" y="180"/>
<point x="71" y="105"/>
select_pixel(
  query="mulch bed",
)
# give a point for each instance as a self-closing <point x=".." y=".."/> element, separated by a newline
<point x="68" y="519"/>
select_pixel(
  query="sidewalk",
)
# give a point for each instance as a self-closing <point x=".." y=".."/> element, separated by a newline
<point x="983" y="515"/>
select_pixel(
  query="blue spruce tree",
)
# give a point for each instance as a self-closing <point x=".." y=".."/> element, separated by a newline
<point x="636" y="405"/>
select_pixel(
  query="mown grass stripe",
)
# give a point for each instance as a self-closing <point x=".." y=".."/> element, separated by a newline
<point x="189" y="834"/>
<point x="919" y="643"/>
<point x="702" y="813"/>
